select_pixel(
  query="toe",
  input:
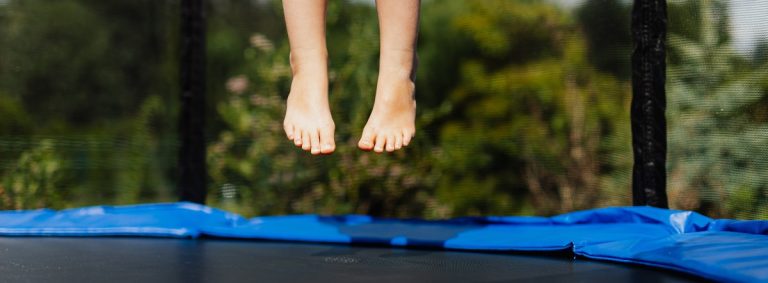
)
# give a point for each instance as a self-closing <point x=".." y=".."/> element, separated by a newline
<point x="366" y="141"/>
<point x="380" y="142"/>
<point x="390" y="143"/>
<point x="296" y="136"/>
<point x="327" y="143"/>
<point x="288" y="131"/>
<point x="306" y="142"/>
<point x="398" y="141"/>
<point x="315" y="139"/>
<point x="407" y="136"/>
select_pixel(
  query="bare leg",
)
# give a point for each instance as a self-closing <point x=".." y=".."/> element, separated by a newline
<point x="392" y="122"/>
<point x="308" y="120"/>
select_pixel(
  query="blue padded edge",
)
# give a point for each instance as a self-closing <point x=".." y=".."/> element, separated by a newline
<point x="723" y="249"/>
<point x="154" y="220"/>
<point x="722" y="256"/>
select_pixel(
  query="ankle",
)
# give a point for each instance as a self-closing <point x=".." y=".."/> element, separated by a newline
<point x="309" y="61"/>
<point x="400" y="63"/>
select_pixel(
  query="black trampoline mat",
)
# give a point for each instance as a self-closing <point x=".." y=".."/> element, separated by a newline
<point x="141" y="260"/>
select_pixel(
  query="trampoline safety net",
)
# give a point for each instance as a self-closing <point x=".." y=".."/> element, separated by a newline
<point x="524" y="108"/>
<point x="717" y="93"/>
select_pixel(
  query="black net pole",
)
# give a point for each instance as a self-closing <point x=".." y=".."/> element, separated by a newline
<point x="649" y="128"/>
<point x="192" y="168"/>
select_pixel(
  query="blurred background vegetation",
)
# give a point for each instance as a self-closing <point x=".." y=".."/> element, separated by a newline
<point x="523" y="109"/>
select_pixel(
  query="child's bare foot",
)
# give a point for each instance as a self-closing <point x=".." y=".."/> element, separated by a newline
<point x="392" y="122"/>
<point x="308" y="122"/>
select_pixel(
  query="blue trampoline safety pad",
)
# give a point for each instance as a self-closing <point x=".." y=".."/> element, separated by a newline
<point x="724" y="250"/>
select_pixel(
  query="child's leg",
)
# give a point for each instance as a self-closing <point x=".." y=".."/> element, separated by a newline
<point x="392" y="121"/>
<point x="308" y="119"/>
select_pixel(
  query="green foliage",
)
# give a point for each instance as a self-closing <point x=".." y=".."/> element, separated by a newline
<point x="528" y="131"/>
<point x="605" y="24"/>
<point x="73" y="55"/>
<point x="96" y="80"/>
<point x="35" y="180"/>
<point x="516" y="121"/>
<point x="255" y="170"/>
<point x="523" y="109"/>
<point x="15" y="120"/>
<point x="718" y="135"/>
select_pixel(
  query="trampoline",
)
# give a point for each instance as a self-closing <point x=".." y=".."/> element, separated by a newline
<point x="216" y="260"/>
<point x="724" y="250"/>
<point x="187" y="241"/>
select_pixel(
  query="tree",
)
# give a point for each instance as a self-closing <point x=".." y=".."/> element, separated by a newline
<point x="512" y="119"/>
<point x="93" y="78"/>
<point x="531" y="123"/>
<point x="717" y="126"/>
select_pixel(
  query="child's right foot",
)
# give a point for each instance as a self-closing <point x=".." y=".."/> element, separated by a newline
<point x="308" y="122"/>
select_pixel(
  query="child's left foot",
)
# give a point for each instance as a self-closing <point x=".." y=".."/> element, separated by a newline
<point x="392" y="122"/>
